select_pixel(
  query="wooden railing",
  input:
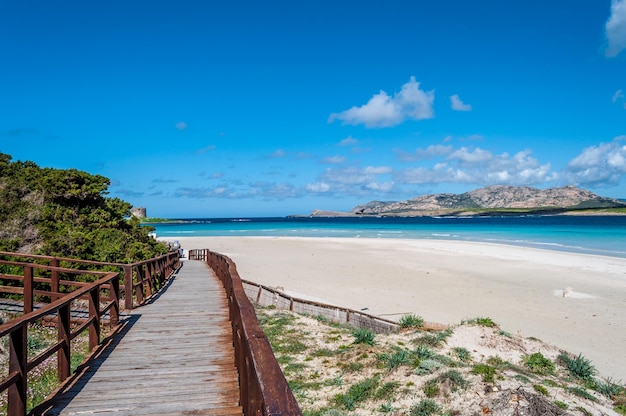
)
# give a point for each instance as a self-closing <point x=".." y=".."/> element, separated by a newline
<point x="141" y="279"/>
<point x="263" y="388"/>
<point x="58" y="312"/>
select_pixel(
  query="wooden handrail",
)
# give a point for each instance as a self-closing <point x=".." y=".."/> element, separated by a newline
<point x="141" y="279"/>
<point x="263" y="388"/>
<point x="16" y="382"/>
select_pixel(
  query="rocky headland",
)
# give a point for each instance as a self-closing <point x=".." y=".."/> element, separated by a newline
<point x="493" y="200"/>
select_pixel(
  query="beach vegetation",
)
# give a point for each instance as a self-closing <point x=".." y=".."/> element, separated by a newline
<point x="428" y="366"/>
<point x="332" y="377"/>
<point x="396" y="358"/>
<point x="411" y="321"/>
<point x="539" y="364"/>
<point x="579" y="367"/>
<point x="426" y="407"/>
<point x="581" y="392"/>
<point x="463" y="354"/>
<point x="608" y="387"/>
<point x="561" y="405"/>
<point x="433" y="339"/>
<point x="485" y="371"/>
<point x="358" y="393"/>
<point x="541" y="389"/>
<point x="364" y="336"/>
<point x="480" y="321"/>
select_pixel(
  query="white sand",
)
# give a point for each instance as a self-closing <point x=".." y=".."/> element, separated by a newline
<point x="574" y="301"/>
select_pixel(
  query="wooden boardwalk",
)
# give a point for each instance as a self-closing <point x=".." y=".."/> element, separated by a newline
<point x="173" y="356"/>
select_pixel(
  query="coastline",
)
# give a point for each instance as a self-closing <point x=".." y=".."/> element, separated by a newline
<point x="574" y="301"/>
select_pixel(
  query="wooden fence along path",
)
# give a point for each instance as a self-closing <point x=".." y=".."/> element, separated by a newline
<point x="173" y="356"/>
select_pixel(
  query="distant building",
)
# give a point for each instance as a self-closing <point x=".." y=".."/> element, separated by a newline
<point x="139" y="212"/>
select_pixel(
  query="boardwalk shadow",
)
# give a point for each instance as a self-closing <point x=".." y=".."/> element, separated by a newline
<point x="83" y="374"/>
<point x="85" y="371"/>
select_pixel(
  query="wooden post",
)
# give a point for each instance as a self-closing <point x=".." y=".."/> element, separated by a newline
<point x="54" y="279"/>
<point x="128" y="287"/>
<point x="64" y="331"/>
<point x="28" y="289"/>
<point x="114" y="312"/>
<point x="17" y="363"/>
<point x="94" y="314"/>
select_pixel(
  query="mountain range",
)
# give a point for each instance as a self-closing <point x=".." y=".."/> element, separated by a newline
<point x="498" y="199"/>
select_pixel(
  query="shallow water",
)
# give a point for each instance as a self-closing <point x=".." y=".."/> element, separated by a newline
<point x="602" y="235"/>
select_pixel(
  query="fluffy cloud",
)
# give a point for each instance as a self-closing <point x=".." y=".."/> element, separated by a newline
<point x="481" y="167"/>
<point x="459" y="105"/>
<point x="352" y="181"/>
<point x="383" y="110"/>
<point x="601" y="165"/>
<point x="181" y="125"/>
<point x="430" y="152"/>
<point x="616" y="29"/>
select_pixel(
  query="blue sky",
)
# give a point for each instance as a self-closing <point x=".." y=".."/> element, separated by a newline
<point x="242" y="108"/>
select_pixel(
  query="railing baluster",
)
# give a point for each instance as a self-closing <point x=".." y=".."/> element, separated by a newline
<point x="63" y="356"/>
<point x="17" y="363"/>
<point x="128" y="287"/>
<point x="94" y="314"/>
<point x="28" y="289"/>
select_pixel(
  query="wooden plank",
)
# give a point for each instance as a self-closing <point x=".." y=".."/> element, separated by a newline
<point x="174" y="357"/>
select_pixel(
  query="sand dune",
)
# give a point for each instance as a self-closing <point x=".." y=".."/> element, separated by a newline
<point x="577" y="302"/>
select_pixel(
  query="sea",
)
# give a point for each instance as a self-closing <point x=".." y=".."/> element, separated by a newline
<point x="599" y="235"/>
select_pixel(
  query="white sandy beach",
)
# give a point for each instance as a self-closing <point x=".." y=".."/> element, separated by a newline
<point x="446" y="281"/>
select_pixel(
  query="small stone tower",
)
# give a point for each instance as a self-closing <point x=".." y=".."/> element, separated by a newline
<point x="139" y="212"/>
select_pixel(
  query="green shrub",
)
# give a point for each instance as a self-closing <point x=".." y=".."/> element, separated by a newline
<point x="426" y="407"/>
<point x="363" y="336"/>
<point x="608" y="388"/>
<point x="395" y="359"/>
<point x="428" y="366"/>
<point x="488" y="322"/>
<point x="486" y="372"/>
<point x="538" y="363"/>
<point x="580" y="367"/>
<point x="463" y="354"/>
<point x="580" y="392"/>
<point x="411" y="321"/>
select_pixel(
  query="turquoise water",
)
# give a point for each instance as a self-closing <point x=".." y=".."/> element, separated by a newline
<point x="604" y="235"/>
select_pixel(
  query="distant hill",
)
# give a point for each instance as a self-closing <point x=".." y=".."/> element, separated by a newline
<point x="493" y="199"/>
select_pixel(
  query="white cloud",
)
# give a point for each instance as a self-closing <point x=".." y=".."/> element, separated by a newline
<point x="480" y="167"/>
<point x="348" y="141"/>
<point x="334" y="160"/>
<point x="619" y="95"/>
<point x="601" y="165"/>
<point x="181" y="125"/>
<point x="383" y="110"/>
<point x="459" y="105"/>
<point x="377" y="170"/>
<point x="352" y="180"/>
<point x="432" y="151"/>
<point x="616" y="29"/>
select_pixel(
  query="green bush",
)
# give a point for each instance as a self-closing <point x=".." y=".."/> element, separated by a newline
<point x="411" y="321"/>
<point x="580" y="367"/>
<point x="539" y="364"/>
<point x="363" y="336"/>
<point x="426" y="407"/>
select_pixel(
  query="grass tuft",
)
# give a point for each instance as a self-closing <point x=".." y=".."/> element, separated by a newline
<point x="411" y="321"/>
<point x="363" y="336"/>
